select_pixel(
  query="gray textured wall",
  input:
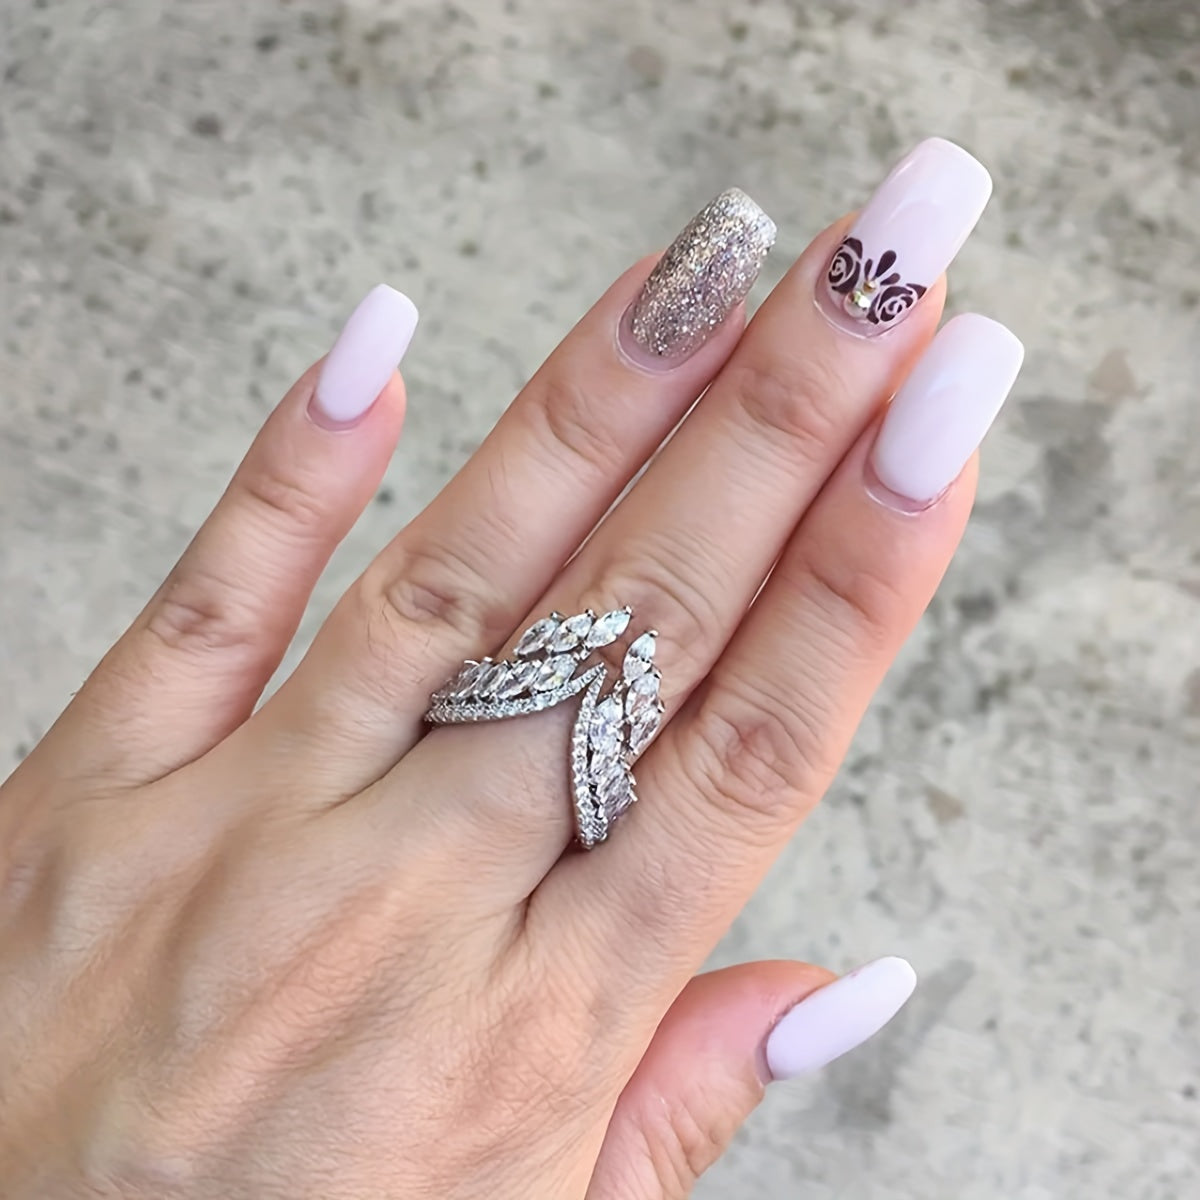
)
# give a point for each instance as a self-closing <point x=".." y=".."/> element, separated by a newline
<point x="193" y="195"/>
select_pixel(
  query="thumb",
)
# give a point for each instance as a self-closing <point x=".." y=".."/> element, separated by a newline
<point x="729" y="1034"/>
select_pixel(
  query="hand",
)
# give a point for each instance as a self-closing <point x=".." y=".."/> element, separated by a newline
<point x="319" y="950"/>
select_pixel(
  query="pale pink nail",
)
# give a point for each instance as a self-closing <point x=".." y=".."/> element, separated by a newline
<point x="945" y="407"/>
<point x="367" y="351"/>
<point x="838" y="1017"/>
<point x="905" y="237"/>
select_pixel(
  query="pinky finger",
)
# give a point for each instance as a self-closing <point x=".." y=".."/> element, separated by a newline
<point x="728" y="1035"/>
<point x="192" y="666"/>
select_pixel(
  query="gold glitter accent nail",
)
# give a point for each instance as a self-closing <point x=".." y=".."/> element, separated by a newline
<point x="705" y="273"/>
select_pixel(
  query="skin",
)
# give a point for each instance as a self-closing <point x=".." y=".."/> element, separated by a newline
<point x="317" y="950"/>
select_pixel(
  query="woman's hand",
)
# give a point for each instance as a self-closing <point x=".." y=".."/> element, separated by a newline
<point x="319" y="950"/>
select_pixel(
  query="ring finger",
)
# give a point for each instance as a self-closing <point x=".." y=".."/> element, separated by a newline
<point x="756" y="746"/>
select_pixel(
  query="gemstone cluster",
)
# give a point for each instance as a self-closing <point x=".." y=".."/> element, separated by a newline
<point x="553" y="661"/>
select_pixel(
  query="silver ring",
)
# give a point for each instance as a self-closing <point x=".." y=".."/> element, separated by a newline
<point x="554" y="660"/>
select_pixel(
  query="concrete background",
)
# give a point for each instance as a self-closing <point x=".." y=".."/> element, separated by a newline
<point x="192" y="197"/>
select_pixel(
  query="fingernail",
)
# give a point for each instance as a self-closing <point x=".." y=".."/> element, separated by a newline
<point x="939" y="416"/>
<point x="905" y="237"/>
<point x="705" y="273"/>
<point x="367" y="351"/>
<point x="838" y="1017"/>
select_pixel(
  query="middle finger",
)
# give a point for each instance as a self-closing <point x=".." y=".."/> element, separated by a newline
<point x="690" y="546"/>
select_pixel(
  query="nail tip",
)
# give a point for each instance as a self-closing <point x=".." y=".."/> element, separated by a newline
<point x="958" y="154"/>
<point x="839" y="1017"/>
<point x="758" y="220"/>
<point x="977" y="325"/>
<point x="903" y="975"/>
<point x="384" y="296"/>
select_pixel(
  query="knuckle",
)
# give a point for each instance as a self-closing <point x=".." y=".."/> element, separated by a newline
<point x="796" y="404"/>
<point x="857" y="604"/>
<point x="287" y="499"/>
<point x="201" y="608"/>
<point x="428" y="591"/>
<point x="564" y="417"/>
<point x="754" y="759"/>
<point x="198" y="612"/>
<point x="666" y="580"/>
<point x="684" y="1135"/>
<point x="26" y="860"/>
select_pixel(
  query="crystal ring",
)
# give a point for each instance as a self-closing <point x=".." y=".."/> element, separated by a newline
<point x="554" y="660"/>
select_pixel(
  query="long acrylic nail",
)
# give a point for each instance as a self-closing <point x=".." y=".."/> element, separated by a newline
<point x="705" y="273"/>
<point x="838" y="1017"/>
<point x="905" y="237"/>
<point x="939" y="416"/>
<point x="367" y="351"/>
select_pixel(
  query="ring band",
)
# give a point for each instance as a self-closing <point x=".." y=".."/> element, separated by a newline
<point x="554" y="660"/>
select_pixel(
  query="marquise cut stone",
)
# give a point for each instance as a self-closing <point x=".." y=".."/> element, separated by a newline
<point x="644" y="728"/>
<point x="571" y="632"/>
<point x="491" y="682"/>
<point x="607" y="628"/>
<point x="520" y="678"/>
<point x="607" y="780"/>
<point x="554" y="672"/>
<point x="466" y="680"/>
<point x="643" y="647"/>
<point x="623" y="800"/>
<point x="633" y="667"/>
<point x="605" y="730"/>
<point x="638" y="657"/>
<point x="469" y="693"/>
<point x="537" y="636"/>
<point x="642" y="694"/>
<point x="615" y="792"/>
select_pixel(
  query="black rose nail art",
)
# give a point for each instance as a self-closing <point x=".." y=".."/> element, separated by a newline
<point x="871" y="290"/>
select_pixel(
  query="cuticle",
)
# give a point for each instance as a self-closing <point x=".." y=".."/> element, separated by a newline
<point x="902" y="506"/>
<point x="642" y="360"/>
<point x="315" y="416"/>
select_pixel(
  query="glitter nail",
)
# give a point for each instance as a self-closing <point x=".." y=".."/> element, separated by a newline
<point x="705" y="273"/>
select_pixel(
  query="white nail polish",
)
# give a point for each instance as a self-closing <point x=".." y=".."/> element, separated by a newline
<point x="945" y="407"/>
<point x="838" y="1017"/>
<point x="367" y="351"/>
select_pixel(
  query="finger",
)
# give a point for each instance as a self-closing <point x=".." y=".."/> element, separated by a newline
<point x="758" y="744"/>
<point x="728" y="1035"/>
<point x="689" y="547"/>
<point x="194" y="663"/>
<point x="456" y="580"/>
